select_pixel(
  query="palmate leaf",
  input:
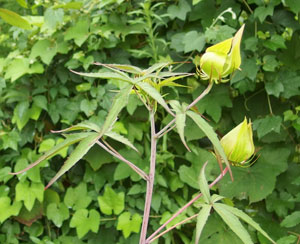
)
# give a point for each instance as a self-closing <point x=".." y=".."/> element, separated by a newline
<point x="124" y="67"/>
<point x="106" y="75"/>
<point x="233" y="222"/>
<point x="75" y="156"/>
<point x="201" y="221"/>
<point x="212" y="136"/>
<point x="119" y="102"/>
<point x="247" y="219"/>
<point x="114" y="69"/>
<point x="155" y="67"/>
<point x="170" y="81"/>
<point x="152" y="92"/>
<point x="180" y="120"/>
<point x="85" y="125"/>
<point x="204" y="188"/>
<point x="70" y="139"/>
<point x="115" y="136"/>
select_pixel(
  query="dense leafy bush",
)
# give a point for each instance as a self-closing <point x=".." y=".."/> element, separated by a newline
<point x="40" y="94"/>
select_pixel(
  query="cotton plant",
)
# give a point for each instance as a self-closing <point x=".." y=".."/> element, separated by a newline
<point x="235" y="148"/>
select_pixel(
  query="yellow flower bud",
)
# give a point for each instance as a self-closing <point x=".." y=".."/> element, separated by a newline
<point x="222" y="59"/>
<point x="238" y="143"/>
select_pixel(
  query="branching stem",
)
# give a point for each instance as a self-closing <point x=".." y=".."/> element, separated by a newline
<point x="151" y="238"/>
<point x="150" y="182"/>
<point x="173" y="227"/>
<point x="203" y="94"/>
<point x="131" y="165"/>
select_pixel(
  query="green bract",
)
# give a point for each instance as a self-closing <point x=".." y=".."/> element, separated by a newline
<point x="222" y="59"/>
<point x="238" y="143"/>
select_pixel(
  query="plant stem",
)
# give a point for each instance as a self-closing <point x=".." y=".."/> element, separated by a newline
<point x="131" y="165"/>
<point x="149" y="29"/>
<point x="150" y="238"/>
<point x="170" y="124"/>
<point x="165" y="128"/>
<point x="172" y="227"/>
<point x="150" y="182"/>
<point x="203" y="94"/>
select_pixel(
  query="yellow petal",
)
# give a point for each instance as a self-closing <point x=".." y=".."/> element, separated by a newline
<point x="233" y="61"/>
<point x="222" y="47"/>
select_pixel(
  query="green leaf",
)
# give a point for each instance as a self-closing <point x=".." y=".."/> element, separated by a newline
<point x="120" y="138"/>
<point x="97" y="157"/>
<point x="262" y="12"/>
<point x="177" y="42"/>
<point x="10" y="140"/>
<point x="88" y="106"/>
<point x="111" y="201"/>
<point x="197" y="158"/>
<point x="294" y="5"/>
<point x="57" y="213"/>
<point x="180" y="120"/>
<point x="274" y="87"/>
<point x="275" y="42"/>
<point x="170" y="81"/>
<point x="196" y="1"/>
<point x="44" y="49"/>
<point x="14" y="19"/>
<point x="266" y="125"/>
<point x="127" y="68"/>
<point x="204" y="188"/>
<point x="75" y="156"/>
<point x="270" y="63"/>
<point x="287" y="240"/>
<point x="17" y="68"/>
<point x="106" y="75"/>
<point x="280" y="203"/>
<point x="213" y="102"/>
<point x="46" y="145"/>
<point x="8" y="210"/>
<point x="152" y="92"/>
<point x="71" y="139"/>
<point x="128" y="224"/>
<point x="290" y="82"/>
<point x="53" y="17"/>
<point x="84" y="221"/>
<point x="179" y="11"/>
<point x="21" y="114"/>
<point x="41" y="102"/>
<point x="119" y="102"/>
<point x="83" y="87"/>
<point x="85" y="125"/>
<point x="69" y="5"/>
<point x="247" y="219"/>
<point x="22" y="3"/>
<point x="79" y="32"/>
<point x="193" y="41"/>
<point x="29" y="192"/>
<point x="261" y="175"/>
<point x="233" y="222"/>
<point x="77" y="198"/>
<point x="291" y="220"/>
<point x="201" y="220"/>
<point x="209" y="132"/>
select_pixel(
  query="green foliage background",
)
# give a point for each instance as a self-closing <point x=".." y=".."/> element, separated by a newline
<point x="100" y="200"/>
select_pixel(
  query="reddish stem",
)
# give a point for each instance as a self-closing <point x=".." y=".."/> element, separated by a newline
<point x="150" y="238"/>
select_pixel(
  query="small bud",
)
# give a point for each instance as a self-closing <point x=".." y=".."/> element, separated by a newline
<point x="222" y="59"/>
<point x="238" y="143"/>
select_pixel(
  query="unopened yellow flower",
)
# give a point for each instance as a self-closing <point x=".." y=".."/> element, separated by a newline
<point x="221" y="59"/>
<point x="238" y="143"/>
